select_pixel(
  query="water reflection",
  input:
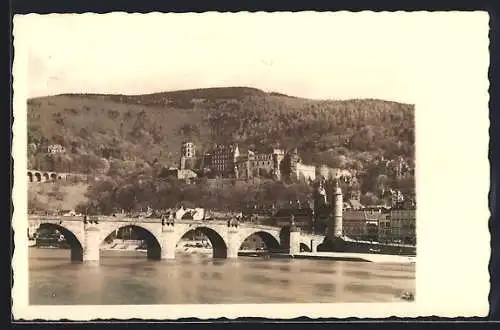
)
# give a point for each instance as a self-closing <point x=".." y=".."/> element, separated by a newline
<point x="284" y="282"/>
<point x="359" y="274"/>
<point x="324" y="289"/>
<point x="131" y="279"/>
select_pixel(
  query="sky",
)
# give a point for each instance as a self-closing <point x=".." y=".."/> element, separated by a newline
<point x="314" y="55"/>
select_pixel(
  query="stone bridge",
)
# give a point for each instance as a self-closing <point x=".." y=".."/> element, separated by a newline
<point x="162" y="235"/>
<point x="35" y="176"/>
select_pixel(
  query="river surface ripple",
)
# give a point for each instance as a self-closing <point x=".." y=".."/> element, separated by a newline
<point x="129" y="278"/>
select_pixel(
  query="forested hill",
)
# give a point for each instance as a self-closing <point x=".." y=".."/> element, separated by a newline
<point x="99" y="129"/>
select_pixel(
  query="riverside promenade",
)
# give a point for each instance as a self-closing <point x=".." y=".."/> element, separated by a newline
<point x="346" y="256"/>
<point x="335" y="256"/>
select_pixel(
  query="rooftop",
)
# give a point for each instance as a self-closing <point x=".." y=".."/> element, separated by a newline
<point x="294" y="211"/>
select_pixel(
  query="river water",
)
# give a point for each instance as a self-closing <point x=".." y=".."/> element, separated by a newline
<point x="129" y="278"/>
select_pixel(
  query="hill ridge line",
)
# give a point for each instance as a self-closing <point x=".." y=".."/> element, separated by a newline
<point x="251" y="91"/>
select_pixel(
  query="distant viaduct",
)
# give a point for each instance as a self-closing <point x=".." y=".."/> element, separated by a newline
<point x="35" y="176"/>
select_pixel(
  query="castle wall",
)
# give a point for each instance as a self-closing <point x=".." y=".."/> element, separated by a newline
<point x="308" y="172"/>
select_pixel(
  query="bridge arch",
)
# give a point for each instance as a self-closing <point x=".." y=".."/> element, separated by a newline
<point x="272" y="242"/>
<point x="30" y="177"/>
<point x="53" y="176"/>
<point x="219" y="245"/>
<point x="38" y="177"/>
<point x="147" y="236"/>
<point x="304" y="247"/>
<point x="46" y="176"/>
<point x="73" y="241"/>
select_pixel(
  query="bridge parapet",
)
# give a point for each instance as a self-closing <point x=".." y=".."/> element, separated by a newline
<point x="107" y="218"/>
<point x="168" y="226"/>
<point x="251" y="225"/>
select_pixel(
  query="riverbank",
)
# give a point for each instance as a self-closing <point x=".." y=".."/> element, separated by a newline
<point x="335" y="256"/>
<point x="367" y="257"/>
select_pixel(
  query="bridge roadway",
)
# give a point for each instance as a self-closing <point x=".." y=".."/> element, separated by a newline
<point x="162" y="236"/>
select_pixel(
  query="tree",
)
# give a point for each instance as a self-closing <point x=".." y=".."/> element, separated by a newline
<point x="381" y="184"/>
<point x="406" y="185"/>
<point x="56" y="192"/>
<point x="369" y="199"/>
<point x="35" y="135"/>
<point x="35" y="204"/>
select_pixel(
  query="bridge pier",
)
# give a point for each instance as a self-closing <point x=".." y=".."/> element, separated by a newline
<point x="233" y="245"/>
<point x="76" y="253"/>
<point x="92" y="243"/>
<point x="294" y="240"/>
<point x="32" y="229"/>
<point x="314" y="245"/>
<point x="168" y="243"/>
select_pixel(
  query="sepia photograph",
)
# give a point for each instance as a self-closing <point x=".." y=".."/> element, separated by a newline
<point x="215" y="159"/>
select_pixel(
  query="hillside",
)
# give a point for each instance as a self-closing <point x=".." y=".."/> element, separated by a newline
<point x="63" y="196"/>
<point x="100" y="131"/>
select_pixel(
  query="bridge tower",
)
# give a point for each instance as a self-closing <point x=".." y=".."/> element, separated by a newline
<point x="335" y="224"/>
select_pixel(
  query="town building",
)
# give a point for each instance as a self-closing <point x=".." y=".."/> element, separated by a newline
<point x="295" y="169"/>
<point x="374" y="224"/>
<point x="397" y="197"/>
<point x="353" y="201"/>
<point x="188" y="159"/>
<point x="188" y="164"/>
<point x="384" y="228"/>
<point x="56" y="149"/>
<point x="186" y="175"/>
<point x="403" y="225"/>
<point x="188" y="149"/>
<point x="266" y="163"/>
<point x="222" y="159"/>
<point x="229" y="162"/>
<point x="362" y="225"/>
<point x="353" y="204"/>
